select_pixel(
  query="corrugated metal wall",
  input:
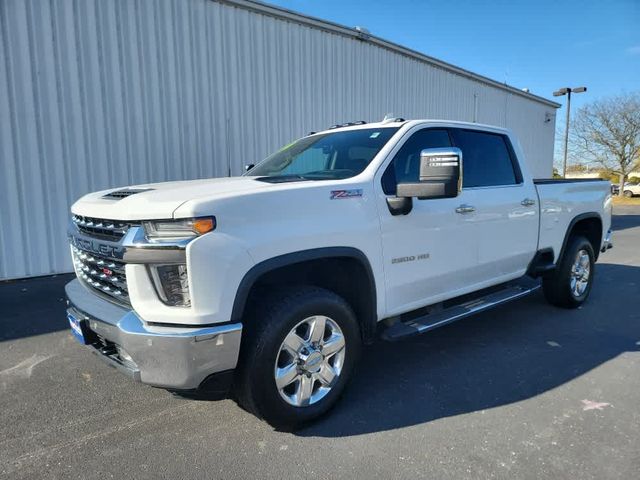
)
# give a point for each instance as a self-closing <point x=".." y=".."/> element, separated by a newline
<point x="97" y="94"/>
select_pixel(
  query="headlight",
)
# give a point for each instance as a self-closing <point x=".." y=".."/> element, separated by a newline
<point x="185" y="228"/>
<point x="172" y="284"/>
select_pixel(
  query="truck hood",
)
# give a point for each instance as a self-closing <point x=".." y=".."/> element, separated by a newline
<point x="160" y="200"/>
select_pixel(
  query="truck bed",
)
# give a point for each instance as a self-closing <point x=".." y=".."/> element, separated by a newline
<point x="562" y="201"/>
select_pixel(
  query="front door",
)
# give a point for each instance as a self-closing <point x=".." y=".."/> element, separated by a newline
<point x="431" y="252"/>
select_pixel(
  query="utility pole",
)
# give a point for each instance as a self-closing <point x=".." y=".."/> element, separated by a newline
<point x="567" y="91"/>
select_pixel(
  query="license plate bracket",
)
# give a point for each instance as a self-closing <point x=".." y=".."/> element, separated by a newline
<point x="78" y="328"/>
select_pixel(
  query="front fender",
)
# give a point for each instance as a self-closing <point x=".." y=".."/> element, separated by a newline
<point x="217" y="263"/>
<point x="266" y="266"/>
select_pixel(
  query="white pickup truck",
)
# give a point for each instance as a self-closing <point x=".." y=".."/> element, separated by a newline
<point x="271" y="282"/>
<point x="631" y="189"/>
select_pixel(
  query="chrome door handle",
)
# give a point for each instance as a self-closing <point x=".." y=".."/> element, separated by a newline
<point x="464" y="208"/>
<point x="527" y="202"/>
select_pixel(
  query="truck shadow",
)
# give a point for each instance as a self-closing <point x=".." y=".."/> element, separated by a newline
<point x="510" y="354"/>
<point x="624" y="222"/>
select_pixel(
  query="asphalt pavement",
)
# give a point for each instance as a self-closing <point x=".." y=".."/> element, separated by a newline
<point x="524" y="391"/>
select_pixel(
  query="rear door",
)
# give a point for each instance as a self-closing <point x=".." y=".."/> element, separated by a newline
<point x="505" y="210"/>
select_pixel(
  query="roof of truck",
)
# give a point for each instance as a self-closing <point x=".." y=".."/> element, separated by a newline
<point x="398" y="122"/>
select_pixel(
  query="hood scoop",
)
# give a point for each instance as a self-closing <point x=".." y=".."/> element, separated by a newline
<point x="124" y="193"/>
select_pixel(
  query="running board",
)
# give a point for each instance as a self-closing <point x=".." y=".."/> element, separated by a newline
<point x="431" y="321"/>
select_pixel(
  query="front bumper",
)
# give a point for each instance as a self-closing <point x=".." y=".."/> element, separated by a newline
<point x="177" y="358"/>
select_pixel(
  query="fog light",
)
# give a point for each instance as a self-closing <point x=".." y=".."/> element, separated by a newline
<point x="172" y="284"/>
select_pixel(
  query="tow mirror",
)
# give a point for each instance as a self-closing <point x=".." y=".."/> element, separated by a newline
<point x="439" y="175"/>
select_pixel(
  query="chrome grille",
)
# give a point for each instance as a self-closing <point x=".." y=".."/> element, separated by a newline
<point x="104" y="275"/>
<point x="101" y="228"/>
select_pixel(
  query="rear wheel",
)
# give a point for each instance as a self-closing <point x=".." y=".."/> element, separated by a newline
<point x="299" y="351"/>
<point x="628" y="193"/>
<point x="570" y="283"/>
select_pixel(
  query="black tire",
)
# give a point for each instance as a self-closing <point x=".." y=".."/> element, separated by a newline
<point x="271" y="319"/>
<point x="556" y="284"/>
<point x="628" y="193"/>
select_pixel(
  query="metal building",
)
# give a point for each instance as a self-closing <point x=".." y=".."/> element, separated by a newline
<point x="97" y="94"/>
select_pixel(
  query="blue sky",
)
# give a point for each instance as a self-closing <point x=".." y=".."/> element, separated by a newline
<point x="542" y="45"/>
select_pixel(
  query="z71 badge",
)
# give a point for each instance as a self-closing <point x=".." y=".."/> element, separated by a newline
<point x="337" y="194"/>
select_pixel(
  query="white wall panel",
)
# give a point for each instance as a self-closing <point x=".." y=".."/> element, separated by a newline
<point x="97" y="94"/>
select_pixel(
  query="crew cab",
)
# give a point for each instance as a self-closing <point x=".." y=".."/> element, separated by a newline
<point x="271" y="282"/>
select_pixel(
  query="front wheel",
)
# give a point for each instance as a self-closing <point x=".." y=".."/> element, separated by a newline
<point x="570" y="283"/>
<point x="628" y="193"/>
<point x="299" y="351"/>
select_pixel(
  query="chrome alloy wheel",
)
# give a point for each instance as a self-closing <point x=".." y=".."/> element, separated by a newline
<point x="580" y="273"/>
<point x="309" y="361"/>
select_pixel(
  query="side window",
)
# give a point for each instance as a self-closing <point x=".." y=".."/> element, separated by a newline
<point x="405" y="166"/>
<point x="486" y="160"/>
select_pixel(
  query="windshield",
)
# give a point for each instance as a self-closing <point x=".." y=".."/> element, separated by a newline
<point x="326" y="156"/>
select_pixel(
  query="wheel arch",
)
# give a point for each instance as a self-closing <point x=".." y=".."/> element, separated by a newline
<point x="588" y="224"/>
<point x="320" y="267"/>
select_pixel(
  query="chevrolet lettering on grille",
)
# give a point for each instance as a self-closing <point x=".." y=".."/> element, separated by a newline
<point x="94" y="246"/>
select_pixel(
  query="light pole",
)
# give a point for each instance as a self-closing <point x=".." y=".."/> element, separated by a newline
<point x="567" y="91"/>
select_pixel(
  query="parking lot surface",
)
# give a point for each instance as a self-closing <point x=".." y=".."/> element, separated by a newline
<point x="524" y="391"/>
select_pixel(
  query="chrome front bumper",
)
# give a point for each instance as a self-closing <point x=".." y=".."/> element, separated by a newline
<point x="178" y="358"/>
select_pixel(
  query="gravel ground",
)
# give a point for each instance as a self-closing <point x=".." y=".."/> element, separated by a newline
<point x="523" y="391"/>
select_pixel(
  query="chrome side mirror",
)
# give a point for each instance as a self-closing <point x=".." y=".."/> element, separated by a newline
<point x="440" y="175"/>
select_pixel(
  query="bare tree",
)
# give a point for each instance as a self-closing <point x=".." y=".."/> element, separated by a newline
<point x="607" y="132"/>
